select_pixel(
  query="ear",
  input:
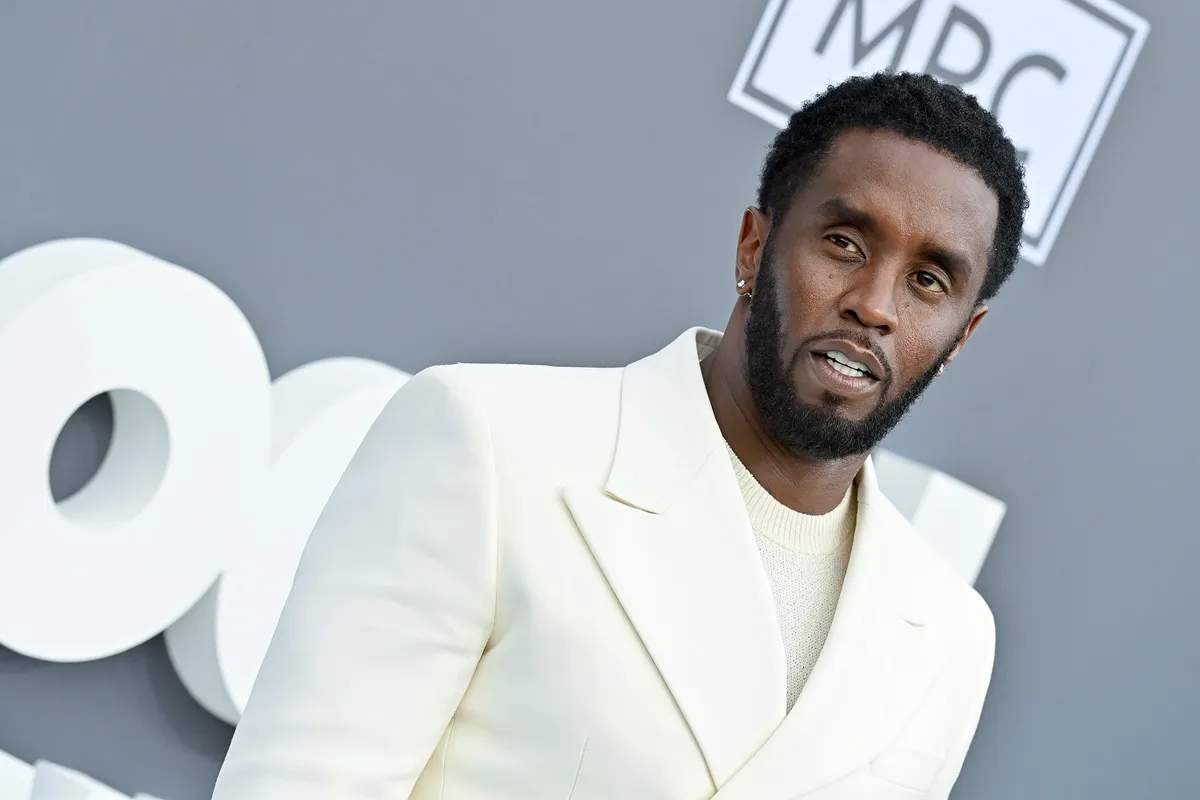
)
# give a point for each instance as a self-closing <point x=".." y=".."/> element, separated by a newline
<point x="752" y="237"/>
<point x="977" y="316"/>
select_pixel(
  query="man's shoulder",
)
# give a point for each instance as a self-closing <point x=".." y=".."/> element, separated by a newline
<point x="515" y="395"/>
<point x="522" y="388"/>
<point x="528" y="383"/>
<point x="945" y="592"/>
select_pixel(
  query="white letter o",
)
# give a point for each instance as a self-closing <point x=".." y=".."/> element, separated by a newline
<point x="135" y="548"/>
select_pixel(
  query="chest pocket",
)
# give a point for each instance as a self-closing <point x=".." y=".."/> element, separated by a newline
<point x="909" y="767"/>
<point x="916" y="758"/>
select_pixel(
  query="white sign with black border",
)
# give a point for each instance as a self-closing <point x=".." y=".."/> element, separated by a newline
<point x="1051" y="70"/>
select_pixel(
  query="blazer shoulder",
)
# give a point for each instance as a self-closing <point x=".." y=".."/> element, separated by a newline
<point x="943" y="588"/>
<point x="493" y="376"/>
<point x="430" y="409"/>
<point x="508" y="390"/>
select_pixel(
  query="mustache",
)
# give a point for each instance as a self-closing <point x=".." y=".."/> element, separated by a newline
<point x="854" y="337"/>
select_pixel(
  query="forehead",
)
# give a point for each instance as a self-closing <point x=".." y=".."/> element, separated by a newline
<point x="917" y="195"/>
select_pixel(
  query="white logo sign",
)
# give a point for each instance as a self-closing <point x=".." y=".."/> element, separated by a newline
<point x="215" y="477"/>
<point x="1051" y="70"/>
<point x="44" y="780"/>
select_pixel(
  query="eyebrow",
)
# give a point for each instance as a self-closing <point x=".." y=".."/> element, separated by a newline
<point x="838" y="208"/>
<point x="950" y="260"/>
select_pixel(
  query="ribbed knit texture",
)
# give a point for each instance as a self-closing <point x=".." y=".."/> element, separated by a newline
<point x="805" y="557"/>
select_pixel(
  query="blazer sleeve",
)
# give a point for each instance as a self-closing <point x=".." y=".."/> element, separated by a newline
<point x="390" y="610"/>
<point x="982" y="654"/>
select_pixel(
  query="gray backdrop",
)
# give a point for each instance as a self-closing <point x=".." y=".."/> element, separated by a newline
<point x="560" y="182"/>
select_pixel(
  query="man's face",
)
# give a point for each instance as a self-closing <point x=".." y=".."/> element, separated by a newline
<point x="863" y="290"/>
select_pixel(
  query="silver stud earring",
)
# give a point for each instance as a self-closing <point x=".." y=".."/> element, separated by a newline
<point x="941" y="368"/>
<point x="741" y="284"/>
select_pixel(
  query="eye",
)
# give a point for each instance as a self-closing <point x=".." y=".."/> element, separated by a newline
<point x="844" y="243"/>
<point x="929" y="281"/>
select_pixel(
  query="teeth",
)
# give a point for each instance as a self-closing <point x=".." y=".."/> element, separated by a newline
<point x="842" y="368"/>
<point x="847" y="366"/>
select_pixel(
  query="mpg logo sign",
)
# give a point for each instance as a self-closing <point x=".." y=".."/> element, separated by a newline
<point x="1051" y="70"/>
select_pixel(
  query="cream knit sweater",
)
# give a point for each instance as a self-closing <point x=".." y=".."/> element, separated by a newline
<point x="805" y="557"/>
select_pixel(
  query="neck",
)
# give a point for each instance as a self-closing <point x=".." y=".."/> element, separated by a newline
<point x="810" y="487"/>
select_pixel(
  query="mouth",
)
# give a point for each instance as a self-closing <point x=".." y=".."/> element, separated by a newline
<point x="859" y="359"/>
<point x="841" y="374"/>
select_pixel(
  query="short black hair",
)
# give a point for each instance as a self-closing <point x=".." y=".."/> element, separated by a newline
<point x="921" y="108"/>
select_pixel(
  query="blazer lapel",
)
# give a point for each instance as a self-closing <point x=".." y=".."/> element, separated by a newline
<point x="669" y="530"/>
<point x="882" y="655"/>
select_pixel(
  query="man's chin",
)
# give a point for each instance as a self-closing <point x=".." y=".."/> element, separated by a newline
<point x="832" y="409"/>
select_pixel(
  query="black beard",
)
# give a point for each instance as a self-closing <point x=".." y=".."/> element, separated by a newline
<point x="811" y="432"/>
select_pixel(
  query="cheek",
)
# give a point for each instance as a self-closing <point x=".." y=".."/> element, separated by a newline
<point x="919" y="352"/>
<point x="812" y="289"/>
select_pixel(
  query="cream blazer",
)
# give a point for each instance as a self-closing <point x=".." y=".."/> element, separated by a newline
<point x="538" y="582"/>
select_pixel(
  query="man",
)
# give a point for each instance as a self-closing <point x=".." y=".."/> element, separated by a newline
<point x="677" y="580"/>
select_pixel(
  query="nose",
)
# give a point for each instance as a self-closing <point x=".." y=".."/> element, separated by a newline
<point x="870" y="300"/>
